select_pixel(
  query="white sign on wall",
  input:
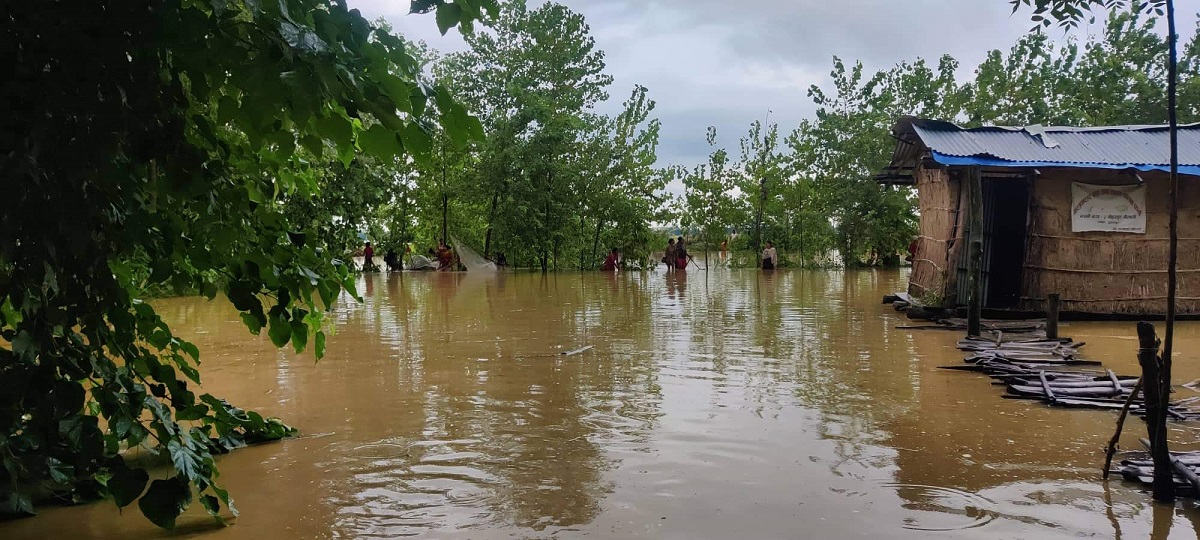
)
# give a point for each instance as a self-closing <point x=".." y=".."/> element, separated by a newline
<point x="1108" y="208"/>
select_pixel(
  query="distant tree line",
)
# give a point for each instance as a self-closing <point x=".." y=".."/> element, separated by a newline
<point x="814" y="189"/>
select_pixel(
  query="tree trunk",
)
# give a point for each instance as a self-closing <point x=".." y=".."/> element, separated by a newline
<point x="582" y="247"/>
<point x="445" y="199"/>
<point x="758" y="218"/>
<point x="596" y="242"/>
<point x="487" y="236"/>
<point x="1157" y="397"/>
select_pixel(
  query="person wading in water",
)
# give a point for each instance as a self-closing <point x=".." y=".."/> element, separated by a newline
<point x="681" y="254"/>
<point x="669" y="257"/>
<point x="369" y="259"/>
<point x="769" y="258"/>
<point x="610" y="262"/>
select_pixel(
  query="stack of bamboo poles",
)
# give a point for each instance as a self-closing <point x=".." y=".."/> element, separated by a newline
<point x="1139" y="467"/>
<point x="1032" y="367"/>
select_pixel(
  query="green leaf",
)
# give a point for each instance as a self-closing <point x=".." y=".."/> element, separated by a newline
<point x="127" y="484"/>
<point x="121" y="425"/>
<point x="253" y="322"/>
<point x="448" y="16"/>
<point x="213" y="506"/>
<point x="227" y="109"/>
<point x="188" y="463"/>
<point x="312" y="142"/>
<point x="195" y="412"/>
<point x="319" y="344"/>
<point x="399" y="90"/>
<point x="15" y="503"/>
<point x="280" y="331"/>
<point x="82" y="434"/>
<point x="23" y="345"/>
<point x="422" y="6"/>
<point x="165" y="501"/>
<point x="60" y="472"/>
<point x="302" y="38"/>
<point x="190" y="349"/>
<point x="418" y="142"/>
<point x="380" y="142"/>
<point x="336" y="130"/>
<point x="299" y="335"/>
<point x="224" y="496"/>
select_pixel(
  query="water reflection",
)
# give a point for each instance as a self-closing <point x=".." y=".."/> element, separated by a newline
<point x="712" y="404"/>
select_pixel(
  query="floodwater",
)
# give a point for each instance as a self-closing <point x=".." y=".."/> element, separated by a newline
<point x="737" y="405"/>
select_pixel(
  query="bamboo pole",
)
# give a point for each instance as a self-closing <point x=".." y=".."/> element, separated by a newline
<point x="975" y="262"/>
<point x="1112" y="443"/>
<point x="1164" y="486"/>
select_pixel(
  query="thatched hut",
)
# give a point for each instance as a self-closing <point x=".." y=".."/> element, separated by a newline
<point x="1081" y="212"/>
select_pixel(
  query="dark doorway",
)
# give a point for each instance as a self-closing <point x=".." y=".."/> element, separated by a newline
<point x="1005" y="215"/>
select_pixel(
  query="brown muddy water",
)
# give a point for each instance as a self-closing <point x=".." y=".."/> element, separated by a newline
<point x="738" y="406"/>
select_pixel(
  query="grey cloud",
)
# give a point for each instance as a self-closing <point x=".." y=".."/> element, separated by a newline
<point x="722" y="63"/>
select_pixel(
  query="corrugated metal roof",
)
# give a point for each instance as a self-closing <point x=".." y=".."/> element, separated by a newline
<point x="1109" y="146"/>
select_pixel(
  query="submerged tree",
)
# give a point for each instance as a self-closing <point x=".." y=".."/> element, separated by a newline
<point x="708" y="190"/>
<point x="171" y="131"/>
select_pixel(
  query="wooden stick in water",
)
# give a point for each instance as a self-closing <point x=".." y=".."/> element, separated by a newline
<point x="577" y="351"/>
<point x="1112" y="443"/>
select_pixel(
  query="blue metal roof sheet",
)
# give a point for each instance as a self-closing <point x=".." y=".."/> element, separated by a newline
<point x="1114" y="147"/>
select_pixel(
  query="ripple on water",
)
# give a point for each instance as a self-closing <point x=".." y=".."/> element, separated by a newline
<point x="935" y="508"/>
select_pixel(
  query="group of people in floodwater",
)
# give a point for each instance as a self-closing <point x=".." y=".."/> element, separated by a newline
<point x="441" y="259"/>
<point x="676" y="256"/>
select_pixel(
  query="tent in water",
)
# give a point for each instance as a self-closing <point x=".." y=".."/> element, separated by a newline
<point x="1081" y="212"/>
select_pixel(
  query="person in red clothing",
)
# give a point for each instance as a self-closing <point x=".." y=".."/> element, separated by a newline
<point x="912" y="250"/>
<point x="369" y="259"/>
<point x="610" y="262"/>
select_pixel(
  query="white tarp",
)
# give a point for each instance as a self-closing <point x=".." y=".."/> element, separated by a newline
<point x="1108" y="208"/>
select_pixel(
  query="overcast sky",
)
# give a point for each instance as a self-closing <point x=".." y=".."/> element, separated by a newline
<point x="724" y="63"/>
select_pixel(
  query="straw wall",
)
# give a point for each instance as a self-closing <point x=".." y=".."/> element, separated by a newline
<point x="1110" y="273"/>
<point x="938" y="202"/>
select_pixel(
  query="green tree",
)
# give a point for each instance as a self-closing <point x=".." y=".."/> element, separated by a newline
<point x="762" y="176"/>
<point x="533" y="81"/>
<point x="171" y="131"/>
<point x="841" y="151"/>
<point x="708" y="191"/>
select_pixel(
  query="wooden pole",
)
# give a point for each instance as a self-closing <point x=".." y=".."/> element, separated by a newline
<point x="1156" y="414"/>
<point x="975" y="262"/>
<point x="1112" y="443"/>
<point x="1052" y="304"/>
<point x="1166" y="492"/>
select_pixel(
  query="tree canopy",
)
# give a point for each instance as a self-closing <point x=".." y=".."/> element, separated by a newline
<point x="158" y="143"/>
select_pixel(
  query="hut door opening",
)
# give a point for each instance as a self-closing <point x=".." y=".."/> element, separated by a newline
<point x="1005" y="215"/>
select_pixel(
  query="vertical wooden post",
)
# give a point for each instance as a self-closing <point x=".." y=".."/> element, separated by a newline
<point x="975" y="262"/>
<point x="975" y="282"/>
<point x="1156" y="412"/>
<point x="1052" y="304"/>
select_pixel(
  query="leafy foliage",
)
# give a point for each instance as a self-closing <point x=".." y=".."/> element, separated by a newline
<point x="554" y="181"/>
<point x="168" y="135"/>
<point x="1069" y="13"/>
<point x="820" y="196"/>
